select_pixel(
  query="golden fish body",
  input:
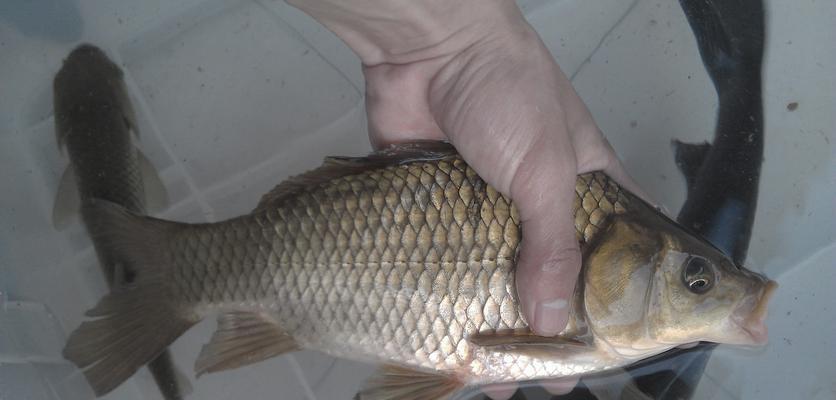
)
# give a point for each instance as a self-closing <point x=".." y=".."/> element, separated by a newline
<point x="399" y="264"/>
<point x="404" y="258"/>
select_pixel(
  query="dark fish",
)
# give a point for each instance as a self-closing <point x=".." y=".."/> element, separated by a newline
<point x="94" y="120"/>
<point x="722" y="177"/>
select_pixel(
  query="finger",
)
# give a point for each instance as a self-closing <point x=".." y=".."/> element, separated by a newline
<point x="549" y="260"/>
<point x="396" y="105"/>
<point x="500" y="391"/>
<point x="559" y="386"/>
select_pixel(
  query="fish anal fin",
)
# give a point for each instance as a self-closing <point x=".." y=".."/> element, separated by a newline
<point x="394" y="382"/>
<point x="156" y="196"/>
<point x="529" y="344"/>
<point x="243" y="338"/>
<point x="689" y="159"/>
<point x="67" y="201"/>
<point x="336" y="167"/>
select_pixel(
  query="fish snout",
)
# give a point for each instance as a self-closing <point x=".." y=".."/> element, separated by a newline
<point x="754" y="322"/>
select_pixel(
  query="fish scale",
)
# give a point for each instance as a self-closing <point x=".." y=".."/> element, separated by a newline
<point x="401" y="263"/>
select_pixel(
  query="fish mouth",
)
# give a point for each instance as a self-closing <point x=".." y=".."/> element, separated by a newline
<point x="754" y="324"/>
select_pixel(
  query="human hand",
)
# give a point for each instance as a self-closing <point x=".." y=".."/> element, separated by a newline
<point x="485" y="82"/>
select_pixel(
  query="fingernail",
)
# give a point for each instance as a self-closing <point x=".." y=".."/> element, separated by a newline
<point x="551" y="317"/>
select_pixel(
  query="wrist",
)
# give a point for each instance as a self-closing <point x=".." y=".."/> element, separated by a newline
<point x="407" y="31"/>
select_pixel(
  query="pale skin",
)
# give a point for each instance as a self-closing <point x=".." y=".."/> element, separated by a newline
<point x="474" y="72"/>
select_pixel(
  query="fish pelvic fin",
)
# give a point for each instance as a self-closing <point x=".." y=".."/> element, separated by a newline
<point x="530" y="345"/>
<point x="139" y="318"/>
<point x="396" y="382"/>
<point x="243" y="338"/>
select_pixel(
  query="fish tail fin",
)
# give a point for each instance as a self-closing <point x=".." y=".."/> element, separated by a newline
<point x="140" y="317"/>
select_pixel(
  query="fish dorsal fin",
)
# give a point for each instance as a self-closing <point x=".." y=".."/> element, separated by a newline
<point x="526" y="343"/>
<point x="394" y="382"/>
<point x="67" y="201"/>
<point x="690" y="158"/>
<point x="243" y="338"/>
<point x="336" y="167"/>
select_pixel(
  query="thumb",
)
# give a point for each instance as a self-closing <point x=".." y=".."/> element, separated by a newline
<point x="549" y="261"/>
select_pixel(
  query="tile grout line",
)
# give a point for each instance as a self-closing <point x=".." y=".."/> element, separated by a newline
<point x="607" y="34"/>
<point x="300" y="375"/>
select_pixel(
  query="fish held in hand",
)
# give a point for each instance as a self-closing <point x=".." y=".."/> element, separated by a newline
<point x="406" y="258"/>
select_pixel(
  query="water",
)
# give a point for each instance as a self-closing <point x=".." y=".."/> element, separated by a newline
<point x="214" y="80"/>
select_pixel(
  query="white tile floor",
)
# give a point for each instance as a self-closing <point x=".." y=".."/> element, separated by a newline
<point x="233" y="96"/>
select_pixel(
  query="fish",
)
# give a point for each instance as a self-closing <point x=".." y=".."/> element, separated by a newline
<point x="406" y="258"/>
<point x="94" y="123"/>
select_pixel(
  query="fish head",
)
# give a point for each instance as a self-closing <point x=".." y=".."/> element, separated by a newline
<point x="649" y="284"/>
<point x="86" y="61"/>
<point x="87" y="79"/>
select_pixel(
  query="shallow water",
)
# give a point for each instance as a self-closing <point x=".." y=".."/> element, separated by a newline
<point x="226" y="113"/>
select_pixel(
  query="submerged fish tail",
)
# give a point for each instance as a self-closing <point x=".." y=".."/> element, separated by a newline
<point x="136" y="321"/>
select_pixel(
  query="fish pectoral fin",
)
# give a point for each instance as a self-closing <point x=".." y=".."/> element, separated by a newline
<point x="243" y="338"/>
<point x="67" y="201"/>
<point x="156" y="196"/>
<point x="396" y="382"/>
<point x="689" y="159"/>
<point x="530" y="344"/>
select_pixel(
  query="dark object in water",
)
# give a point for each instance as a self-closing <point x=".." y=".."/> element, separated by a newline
<point x="94" y="120"/>
<point x="722" y="178"/>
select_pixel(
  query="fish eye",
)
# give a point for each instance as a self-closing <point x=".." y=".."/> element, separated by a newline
<point x="698" y="275"/>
